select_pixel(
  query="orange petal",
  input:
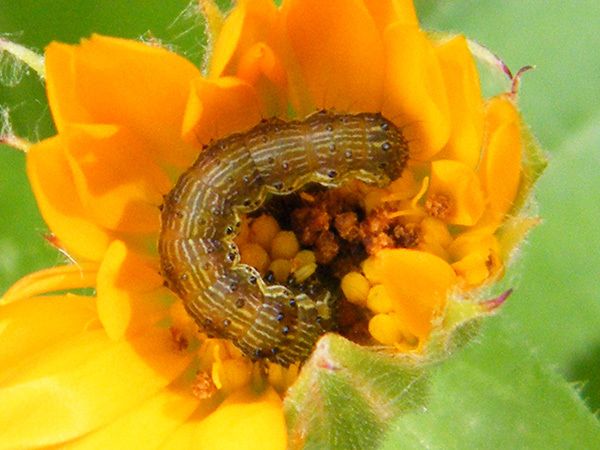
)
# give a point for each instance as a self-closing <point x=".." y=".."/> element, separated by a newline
<point x="217" y="108"/>
<point x="415" y="93"/>
<point x="82" y="384"/>
<point x="464" y="98"/>
<point x="61" y="86"/>
<point x="261" y="60"/>
<point x="54" y="188"/>
<point x="158" y="417"/>
<point x="119" y="185"/>
<point x="117" y="81"/>
<point x="418" y="284"/>
<point x="245" y="420"/>
<point x="476" y="256"/>
<point x="260" y="67"/>
<point x="30" y="325"/>
<point x="339" y="50"/>
<point x="500" y="171"/>
<point x="251" y="21"/>
<point x="386" y="12"/>
<point x="474" y="269"/>
<point x="122" y="277"/>
<point x="459" y="184"/>
<point x="60" y="278"/>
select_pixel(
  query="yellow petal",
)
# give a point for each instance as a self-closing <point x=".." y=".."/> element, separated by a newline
<point x="145" y="427"/>
<point x="415" y="94"/>
<point x="501" y="167"/>
<point x="418" y="284"/>
<point x="54" y="188"/>
<point x="148" y="84"/>
<point x="214" y="19"/>
<point x="61" y="278"/>
<point x="464" y="99"/>
<point x="245" y="420"/>
<point x="122" y="277"/>
<point x="339" y="50"/>
<point x="217" y="108"/>
<point x="386" y="12"/>
<point x="459" y="185"/>
<point x="118" y="183"/>
<point x="82" y="384"/>
<point x="30" y="325"/>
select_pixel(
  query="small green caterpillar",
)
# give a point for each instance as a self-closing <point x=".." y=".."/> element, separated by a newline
<point x="235" y="175"/>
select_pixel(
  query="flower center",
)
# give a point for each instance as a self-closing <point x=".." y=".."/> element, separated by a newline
<point x="316" y="240"/>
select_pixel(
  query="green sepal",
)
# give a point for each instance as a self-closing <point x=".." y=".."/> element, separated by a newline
<point x="346" y="395"/>
<point x="534" y="164"/>
<point x="461" y="323"/>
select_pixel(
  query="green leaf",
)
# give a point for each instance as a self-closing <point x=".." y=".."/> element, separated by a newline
<point x="496" y="394"/>
<point x="346" y="396"/>
<point x="558" y="303"/>
<point x="22" y="246"/>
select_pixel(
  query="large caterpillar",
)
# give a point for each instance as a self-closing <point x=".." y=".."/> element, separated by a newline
<point x="235" y="175"/>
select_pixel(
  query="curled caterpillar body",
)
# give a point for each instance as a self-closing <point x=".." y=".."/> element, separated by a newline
<point x="232" y="176"/>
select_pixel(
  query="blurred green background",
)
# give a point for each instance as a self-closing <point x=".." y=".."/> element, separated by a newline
<point x="550" y="327"/>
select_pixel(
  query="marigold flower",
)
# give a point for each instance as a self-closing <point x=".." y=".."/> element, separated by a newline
<point x="131" y="117"/>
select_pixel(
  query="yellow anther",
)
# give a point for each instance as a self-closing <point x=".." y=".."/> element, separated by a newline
<point x="378" y="300"/>
<point x="385" y="329"/>
<point x="355" y="287"/>
<point x="304" y="272"/>
<point x="284" y="245"/>
<point x="256" y="256"/>
<point x="281" y="269"/>
<point x="263" y="229"/>
<point x="371" y="269"/>
<point x="302" y="258"/>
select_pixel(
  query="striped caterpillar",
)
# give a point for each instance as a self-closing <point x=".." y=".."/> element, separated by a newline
<point x="233" y="176"/>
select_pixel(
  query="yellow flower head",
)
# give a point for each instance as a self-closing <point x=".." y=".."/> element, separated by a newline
<point x="400" y="264"/>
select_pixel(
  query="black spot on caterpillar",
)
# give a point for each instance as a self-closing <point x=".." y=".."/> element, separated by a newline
<point x="235" y="175"/>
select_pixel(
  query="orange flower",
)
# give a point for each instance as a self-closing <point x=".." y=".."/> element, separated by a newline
<point x="92" y="370"/>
